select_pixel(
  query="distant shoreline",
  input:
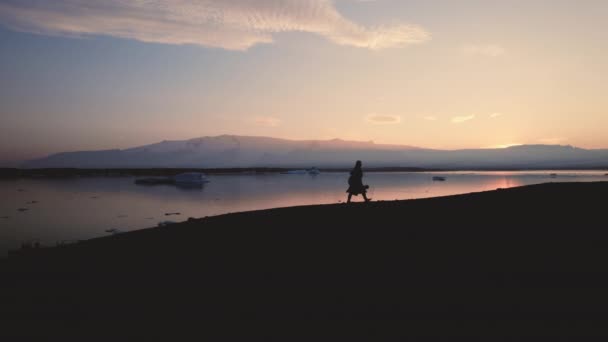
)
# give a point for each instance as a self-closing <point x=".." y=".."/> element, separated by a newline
<point x="11" y="173"/>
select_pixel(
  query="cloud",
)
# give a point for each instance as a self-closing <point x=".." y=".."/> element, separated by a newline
<point x="495" y="115"/>
<point x="380" y="119"/>
<point x="267" y="121"/>
<point x="227" y="24"/>
<point x="430" y="118"/>
<point x="461" y="119"/>
<point x="490" y="50"/>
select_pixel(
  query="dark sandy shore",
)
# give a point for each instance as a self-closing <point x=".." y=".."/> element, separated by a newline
<point x="530" y="261"/>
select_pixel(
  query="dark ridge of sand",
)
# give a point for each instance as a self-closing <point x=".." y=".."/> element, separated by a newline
<point x="529" y="261"/>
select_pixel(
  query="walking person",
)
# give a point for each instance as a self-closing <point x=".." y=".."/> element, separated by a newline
<point x="355" y="183"/>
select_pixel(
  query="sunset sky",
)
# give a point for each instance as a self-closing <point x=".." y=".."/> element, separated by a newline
<point x="81" y="75"/>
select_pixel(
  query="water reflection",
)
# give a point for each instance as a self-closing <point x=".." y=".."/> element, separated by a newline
<point x="81" y="208"/>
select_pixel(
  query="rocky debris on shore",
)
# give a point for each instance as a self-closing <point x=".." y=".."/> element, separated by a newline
<point x="66" y="242"/>
<point x="30" y="244"/>
<point x="114" y="231"/>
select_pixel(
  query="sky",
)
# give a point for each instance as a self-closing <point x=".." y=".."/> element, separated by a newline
<point x="90" y="75"/>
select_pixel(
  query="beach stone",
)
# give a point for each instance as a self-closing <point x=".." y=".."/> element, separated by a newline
<point x="114" y="231"/>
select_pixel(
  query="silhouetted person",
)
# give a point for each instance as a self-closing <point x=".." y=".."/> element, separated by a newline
<point x="355" y="183"/>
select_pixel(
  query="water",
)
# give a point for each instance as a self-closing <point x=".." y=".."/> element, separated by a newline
<point x="83" y="208"/>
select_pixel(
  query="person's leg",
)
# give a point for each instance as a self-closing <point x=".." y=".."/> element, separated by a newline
<point x="349" y="197"/>
<point x="365" y="197"/>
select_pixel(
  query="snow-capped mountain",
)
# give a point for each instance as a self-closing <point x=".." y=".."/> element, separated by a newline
<point x="246" y="151"/>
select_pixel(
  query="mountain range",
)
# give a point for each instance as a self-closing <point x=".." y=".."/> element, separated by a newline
<point x="247" y="151"/>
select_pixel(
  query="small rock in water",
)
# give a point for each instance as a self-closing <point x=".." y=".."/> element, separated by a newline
<point x="169" y="214"/>
<point x="22" y="209"/>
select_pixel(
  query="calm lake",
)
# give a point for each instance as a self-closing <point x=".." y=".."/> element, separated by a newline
<point x="55" y="210"/>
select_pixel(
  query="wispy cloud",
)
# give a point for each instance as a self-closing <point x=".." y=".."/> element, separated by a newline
<point x="227" y="24"/>
<point x="495" y="115"/>
<point x="489" y="50"/>
<point x="380" y="119"/>
<point x="461" y="119"/>
<point x="267" y="121"/>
